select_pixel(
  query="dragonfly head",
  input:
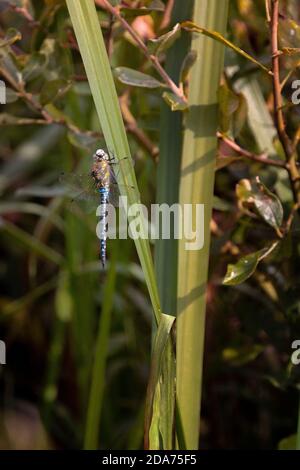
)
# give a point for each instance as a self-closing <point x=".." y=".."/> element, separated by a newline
<point x="100" y="155"/>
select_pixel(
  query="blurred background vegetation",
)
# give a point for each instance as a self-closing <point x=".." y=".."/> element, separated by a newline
<point x="53" y="290"/>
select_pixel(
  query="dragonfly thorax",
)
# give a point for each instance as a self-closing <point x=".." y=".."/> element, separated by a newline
<point x="101" y="173"/>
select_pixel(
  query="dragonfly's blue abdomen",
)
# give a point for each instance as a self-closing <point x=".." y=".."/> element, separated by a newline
<point x="104" y="197"/>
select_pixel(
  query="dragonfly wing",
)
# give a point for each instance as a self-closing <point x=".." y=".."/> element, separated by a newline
<point x="81" y="189"/>
<point x="116" y="191"/>
<point x="80" y="185"/>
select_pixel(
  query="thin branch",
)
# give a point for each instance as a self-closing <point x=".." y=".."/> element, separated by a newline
<point x="155" y="62"/>
<point x="290" y="220"/>
<point x="167" y="15"/>
<point x="290" y="155"/>
<point x="262" y="158"/>
<point x="268" y="10"/>
<point x="25" y="13"/>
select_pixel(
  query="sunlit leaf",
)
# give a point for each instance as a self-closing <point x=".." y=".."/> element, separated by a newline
<point x="266" y="203"/>
<point x="135" y="78"/>
<point x="190" y="26"/>
<point x="175" y="102"/>
<point x="246" y="266"/>
<point x="164" y="42"/>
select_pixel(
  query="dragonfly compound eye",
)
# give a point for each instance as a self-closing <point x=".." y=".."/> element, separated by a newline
<point x="100" y="153"/>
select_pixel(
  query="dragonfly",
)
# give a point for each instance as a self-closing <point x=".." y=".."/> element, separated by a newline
<point x="98" y="187"/>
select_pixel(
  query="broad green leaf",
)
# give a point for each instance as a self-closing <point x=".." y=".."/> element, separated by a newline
<point x="242" y="270"/>
<point x="266" y="203"/>
<point x="246" y="266"/>
<point x="190" y="26"/>
<point x="175" y="102"/>
<point x="187" y="64"/>
<point x="164" y="42"/>
<point x="11" y="36"/>
<point x="54" y="90"/>
<point x="135" y="78"/>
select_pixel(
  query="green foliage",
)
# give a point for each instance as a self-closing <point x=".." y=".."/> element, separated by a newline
<point x="136" y="78"/>
<point x="79" y="337"/>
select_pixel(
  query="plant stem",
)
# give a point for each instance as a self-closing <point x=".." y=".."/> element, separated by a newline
<point x="290" y="154"/>
<point x="168" y="171"/>
<point x="197" y="182"/>
<point x="98" y="374"/>
<point x="168" y="177"/>
<point x="262" y="158"/>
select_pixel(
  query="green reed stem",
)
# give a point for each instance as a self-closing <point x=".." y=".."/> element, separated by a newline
<point x="196" y="187"/>
<point x="95" y="402"/>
